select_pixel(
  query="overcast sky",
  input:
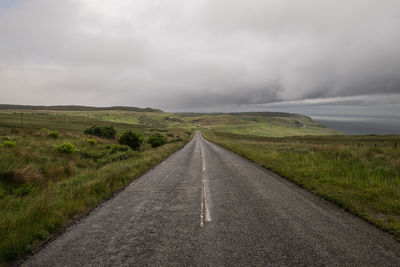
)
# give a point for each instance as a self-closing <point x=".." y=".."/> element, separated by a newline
<point x="203" y="55"/>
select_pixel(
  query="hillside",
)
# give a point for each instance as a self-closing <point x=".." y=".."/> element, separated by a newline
<point x="276" y="124"/>
<point x="55" y="166"/>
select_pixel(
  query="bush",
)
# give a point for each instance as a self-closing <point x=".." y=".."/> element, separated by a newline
<point x="132" y="140"/>
<point x="116" y="153"/>
<point x="66" y="148"/>
<point x="157" y="140"/>
<point x="9" y="143"/>
<point x="177" y="139"/>
<point x="118" y="156"/>
<point x="54" y="134"/>
<point x="106" y="132"/>
<point x="116" y="148"/>
<point x="23" y="190"/>
<point x="92" y="141"/>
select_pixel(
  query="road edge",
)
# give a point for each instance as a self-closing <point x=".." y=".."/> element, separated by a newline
<point x="304" y="190"/>
<point x="56" y="235"/>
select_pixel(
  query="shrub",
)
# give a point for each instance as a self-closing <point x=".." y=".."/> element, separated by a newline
<point x="9" y="144"/>
<point x="118" y="156"/>
<point x="92" y="141"/>
<point x="54" y="134"/>
<point x="116" y="148"/>
<point x="132" y="140"/>
<point x="66" y="148"/>
<point x="23" y="190"/>
<point x="157" y="140"/>
<point x="106" y="132"/>
<point x="116" y="153"/>
<point x="177" y="139"/>
<point x="92" y="154"/>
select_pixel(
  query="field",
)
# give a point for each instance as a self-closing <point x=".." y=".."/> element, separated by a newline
<point x="43" y="187"/>
<point x="256" y="123"/>
<point x="359" y="173"/>
<point x="259" y="123"/>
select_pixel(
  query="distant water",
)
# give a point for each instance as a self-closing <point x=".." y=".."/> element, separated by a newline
<point x="360" y="125"/>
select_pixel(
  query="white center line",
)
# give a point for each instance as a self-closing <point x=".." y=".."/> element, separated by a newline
<point x="205" y="212"/>
<point x="203" y="159"/>
<point x="202" y="209"/>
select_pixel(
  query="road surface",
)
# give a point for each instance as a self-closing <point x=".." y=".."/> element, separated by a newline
<point x="206" y="206"/>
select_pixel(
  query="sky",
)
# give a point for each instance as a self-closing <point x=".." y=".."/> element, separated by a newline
<point x="303" y="56"/>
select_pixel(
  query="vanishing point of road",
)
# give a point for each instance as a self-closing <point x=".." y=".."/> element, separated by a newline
<point x="206" y="206"/>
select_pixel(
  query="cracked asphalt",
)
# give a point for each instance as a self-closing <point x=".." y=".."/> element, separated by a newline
<point x="206" y="206"/>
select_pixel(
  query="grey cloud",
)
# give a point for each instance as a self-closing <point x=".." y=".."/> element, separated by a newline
<point x="201" y="54"/>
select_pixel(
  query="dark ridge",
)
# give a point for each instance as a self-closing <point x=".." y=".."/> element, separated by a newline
<point x="78" y="108"/>
<point x="266" y="114"/>
<point x="194" y="114"/>
<point x="261" y="114"/>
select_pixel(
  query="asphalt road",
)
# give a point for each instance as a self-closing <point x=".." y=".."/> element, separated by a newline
<point x="207" y="206"/>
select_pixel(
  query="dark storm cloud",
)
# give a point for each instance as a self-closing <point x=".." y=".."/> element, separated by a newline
<point x="206" y="54"/>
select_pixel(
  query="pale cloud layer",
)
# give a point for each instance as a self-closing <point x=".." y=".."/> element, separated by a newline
<point x="200" y="54"/>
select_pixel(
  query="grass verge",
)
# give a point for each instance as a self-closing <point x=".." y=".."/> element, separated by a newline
<point x="43" y="189"/>
<point x="359" y="173"/>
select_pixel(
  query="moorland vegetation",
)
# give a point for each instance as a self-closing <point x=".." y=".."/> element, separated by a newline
<point x="57" y="163"/>
<point x="358" y="173"/>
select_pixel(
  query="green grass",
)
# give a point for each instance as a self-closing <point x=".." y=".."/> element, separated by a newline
<point x="255" y="123"/>
<point x="259" y="123"/>
<point x="45" y="185"/>
<point x="80" y="120"/>
<point x="359" y="173"/>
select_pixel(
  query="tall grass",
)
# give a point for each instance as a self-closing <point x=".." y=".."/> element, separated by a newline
<point x="43" y="189"/>
<point x="359" y="173"/>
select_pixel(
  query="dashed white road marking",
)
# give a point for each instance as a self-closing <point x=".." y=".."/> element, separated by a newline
<point x="205" y="211"/>
<point x="202" y="158"/>
<point x="202" y="209"/>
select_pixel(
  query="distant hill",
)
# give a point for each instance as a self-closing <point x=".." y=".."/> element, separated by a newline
<point x="265" y="114"/>
<point x="254" y="123"/>
<point x="78" y="108"/>
<point x="260" y="113"/>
